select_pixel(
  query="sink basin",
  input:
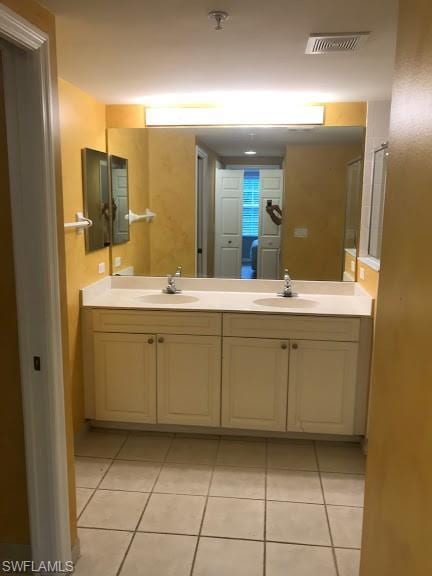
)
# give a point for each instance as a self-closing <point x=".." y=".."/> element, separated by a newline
<point x="169" y="299"/>
<point x="279" y="302"/>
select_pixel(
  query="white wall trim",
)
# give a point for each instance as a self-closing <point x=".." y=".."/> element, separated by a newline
<point x="18" y="31"/>
<point x="29" y="123"/>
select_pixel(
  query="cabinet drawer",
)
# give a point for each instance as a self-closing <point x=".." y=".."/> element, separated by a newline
<point x="291" y="327"/>
<point x="137" y="321"/>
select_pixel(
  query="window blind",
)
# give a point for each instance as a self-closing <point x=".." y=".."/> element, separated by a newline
<point x="251" y="202"/>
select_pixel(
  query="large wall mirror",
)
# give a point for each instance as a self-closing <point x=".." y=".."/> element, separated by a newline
<point x="239" y="202"/>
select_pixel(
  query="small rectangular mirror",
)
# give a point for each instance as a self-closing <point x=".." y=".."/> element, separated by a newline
<point x="96" y="198"/>
<point x="120" y="199"/>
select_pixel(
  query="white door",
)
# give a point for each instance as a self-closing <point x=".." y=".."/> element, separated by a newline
<point x="269" y="240"/>
<point x="228" y="223"/>
<point x="120" y="197"/>
<point x="322" y="385"/>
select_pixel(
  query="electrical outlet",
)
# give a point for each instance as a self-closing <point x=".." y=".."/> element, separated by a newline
<point x="101" y="268"/>
<point x="362" y="273"/>
<point x="117" y="262"/>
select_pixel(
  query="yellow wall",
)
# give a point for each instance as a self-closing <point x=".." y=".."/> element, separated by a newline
<point x="370" y="280"/>
<point x="172" y="197"/>
<point x="314" y="198"/>
<point x="14" y="526"/>
<point x="82" y="125"/>
<point x="345" y="114"/>
<point x="397" y="527"/>
<point x="125" y="116"/>
<point x="132" y="143"/>
<point x="41" y="18"/>
<point x="349" y="262"/>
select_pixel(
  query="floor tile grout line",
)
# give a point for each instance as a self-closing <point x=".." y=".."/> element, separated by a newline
<point x="290" y="542"/>
<point x="327" y="516"/>
<point x="162" y="465"/>
<point x="135" y="532"/>
<point x="86" y="504"/>
<point x="94" y="492"/>
<point x="278" y="500"/>
<point x="190" y="462"/>
<point x="111" y="460"/>
<point x="204" y="511"/>
<point x="123" y="560"/>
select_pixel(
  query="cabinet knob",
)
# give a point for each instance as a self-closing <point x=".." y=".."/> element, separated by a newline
<point x="284" y="346"/>
<point x="160" y="339"/>
<point x="150" y="340"/>
<point x="294" y="346"/>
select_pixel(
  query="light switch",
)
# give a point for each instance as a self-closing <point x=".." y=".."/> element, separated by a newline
<point x="362" y="273"/>
<point x="117" y="262"/>
<point x="352" y="266"/>
<point x="301" y="232"/>
<point x="101" y="268"/>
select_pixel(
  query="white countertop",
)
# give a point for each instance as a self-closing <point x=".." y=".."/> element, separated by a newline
<point x="217" y="295"/>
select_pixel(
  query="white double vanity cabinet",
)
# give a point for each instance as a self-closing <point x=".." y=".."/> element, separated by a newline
<point x="221" y="359"/>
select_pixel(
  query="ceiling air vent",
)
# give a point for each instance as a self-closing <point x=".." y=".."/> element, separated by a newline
<point x="327" y="43"/>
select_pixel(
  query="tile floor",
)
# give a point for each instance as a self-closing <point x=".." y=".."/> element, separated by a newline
<point x="177" y="505"/>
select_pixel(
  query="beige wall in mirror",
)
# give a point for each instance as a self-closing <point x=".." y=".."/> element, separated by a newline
<point x="211" y="201"/>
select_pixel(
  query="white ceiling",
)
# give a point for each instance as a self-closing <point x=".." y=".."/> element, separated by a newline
<point x="271" y="141"/>
<point x="121" y="51"/>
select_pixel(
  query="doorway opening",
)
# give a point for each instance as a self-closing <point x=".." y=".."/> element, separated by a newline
<point x="247" y="239"/>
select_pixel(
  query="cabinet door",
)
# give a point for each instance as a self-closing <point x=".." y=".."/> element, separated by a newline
<point x="188" y="381"/>
<point x="322" y="385"/>
<point x="125" y="377"/>
<point x="254" y="383"/>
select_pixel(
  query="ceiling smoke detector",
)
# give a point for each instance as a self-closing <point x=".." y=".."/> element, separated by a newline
<point x="219" y="16"/>
<point x="337" y="42"/>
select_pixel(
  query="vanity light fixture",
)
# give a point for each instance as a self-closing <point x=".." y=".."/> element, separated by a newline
<point x="236" y="115"/>
<point x="250" y="152"/>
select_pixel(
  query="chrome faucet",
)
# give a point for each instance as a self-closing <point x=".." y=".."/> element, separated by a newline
<point x="287" y="291"/>
<point x="171" y="287"/>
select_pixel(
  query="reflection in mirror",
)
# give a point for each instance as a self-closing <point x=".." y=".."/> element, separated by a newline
<point x="119" y="199"/>
<point x="377" y="208"/>
<point x="96" y="198"/>
<point x="243" y="202"/>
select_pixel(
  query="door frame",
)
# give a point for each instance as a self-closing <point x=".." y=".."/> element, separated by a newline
<point x="29" y="123"/>
<point x="203" y="218"/>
